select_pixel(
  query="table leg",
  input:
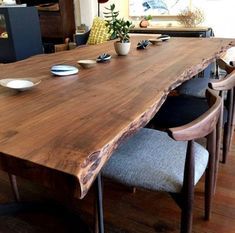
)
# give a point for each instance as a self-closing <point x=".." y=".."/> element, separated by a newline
<point x="99" y="223"/>
<point x="14" y="187"/>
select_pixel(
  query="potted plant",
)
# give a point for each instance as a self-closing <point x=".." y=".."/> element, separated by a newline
<point x="119" y="28"/>
<point x="144" y="23"/>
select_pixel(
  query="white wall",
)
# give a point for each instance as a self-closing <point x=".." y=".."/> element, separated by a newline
<point x="85" y="11"/>
<point x="76" y="12"/>
<point x="121" y="5"/>
<point x="219" y="14"/>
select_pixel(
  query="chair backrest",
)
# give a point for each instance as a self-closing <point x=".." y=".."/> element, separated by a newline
<point x="62" y="47"/>
<point x="81" y="39"/>
<point x="225" y="65"/>
<point x="203" y="125"/>
<point x="227" y="83"/>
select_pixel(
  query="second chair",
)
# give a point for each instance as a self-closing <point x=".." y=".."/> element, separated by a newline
<point x="171" y="162"/>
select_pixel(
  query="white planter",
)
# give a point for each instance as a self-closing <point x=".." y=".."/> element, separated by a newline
<point x="122" y="48"/>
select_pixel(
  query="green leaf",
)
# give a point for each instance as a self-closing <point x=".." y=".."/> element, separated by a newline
<point x="112" y="7"/>
<point x="117" y="27"/>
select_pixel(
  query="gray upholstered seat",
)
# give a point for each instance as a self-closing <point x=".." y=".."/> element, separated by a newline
<point x="152" y="160"/>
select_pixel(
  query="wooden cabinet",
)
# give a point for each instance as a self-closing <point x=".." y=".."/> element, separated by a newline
<point x="176" y="31"/>
<point x="57" y="23"/>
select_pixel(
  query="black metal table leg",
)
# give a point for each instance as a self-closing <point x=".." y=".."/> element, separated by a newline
<point x="99" y="203"/>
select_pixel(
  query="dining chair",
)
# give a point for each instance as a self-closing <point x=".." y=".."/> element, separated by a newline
<point x="226" y="86"/>
<point x="179" y="110"/>
<point x="171" y="161"/>
<point x="81" y="39"/>
<point x="224" y="65"/>
<point x="62" y="47"/>
<point x="228" y="67"/>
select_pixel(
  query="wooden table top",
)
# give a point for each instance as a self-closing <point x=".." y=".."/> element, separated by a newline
<point x="65" y="129"/>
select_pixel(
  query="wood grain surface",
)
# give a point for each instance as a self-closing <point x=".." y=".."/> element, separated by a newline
<point x="63" y="131"/>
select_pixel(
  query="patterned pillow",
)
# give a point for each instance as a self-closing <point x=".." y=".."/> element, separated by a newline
<point x="99" y="32"/>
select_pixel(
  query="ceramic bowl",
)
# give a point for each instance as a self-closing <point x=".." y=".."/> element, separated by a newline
<point x="19" y="84"/>
<point x="86" y="64"/>
<point x="155" y="41"/>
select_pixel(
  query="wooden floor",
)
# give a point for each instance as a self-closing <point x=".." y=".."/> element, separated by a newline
<point x="142" y="212"/>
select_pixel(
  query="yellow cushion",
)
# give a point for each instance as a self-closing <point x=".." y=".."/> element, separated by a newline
<point x="99" y="32"/>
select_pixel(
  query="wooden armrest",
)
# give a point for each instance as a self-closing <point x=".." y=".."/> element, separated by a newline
<point x="225" y="66"/>
<point x="227" y="83"/>
<point x="203" y="125"/>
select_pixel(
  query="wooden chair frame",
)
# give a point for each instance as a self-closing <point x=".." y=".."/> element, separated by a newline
<point x="200" y="127"/>
<point x="226" y="84"/>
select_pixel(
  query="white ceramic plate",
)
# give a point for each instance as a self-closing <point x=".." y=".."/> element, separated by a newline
<point x="19" y="84"/>
<point x="63" y="70"/>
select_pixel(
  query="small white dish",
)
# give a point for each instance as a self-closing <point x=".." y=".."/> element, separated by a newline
<point x="63" y="70"/>
<point x="86" y="64"/>
<point x="155" y="41"/>
<point x="19" y="84"/>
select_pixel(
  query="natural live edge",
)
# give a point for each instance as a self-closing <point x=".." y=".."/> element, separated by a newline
<point x="104" y="155"/>
<point x="77" y="122"/>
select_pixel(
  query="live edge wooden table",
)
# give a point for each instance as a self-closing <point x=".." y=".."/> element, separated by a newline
<point x="62" y="132"/>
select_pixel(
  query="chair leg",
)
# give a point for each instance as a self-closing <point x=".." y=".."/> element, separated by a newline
<point x="14" y="187"/>
<point x="232" y="119"/>
<point x="99" y="217"/>
<point x="227" y="127"/>
<point x="210" y="175"/>
<point x="225" y="143"/>
<point x="188" y="191"/>
<point x="187" y="216"/>
<point x="218" y="146"/>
